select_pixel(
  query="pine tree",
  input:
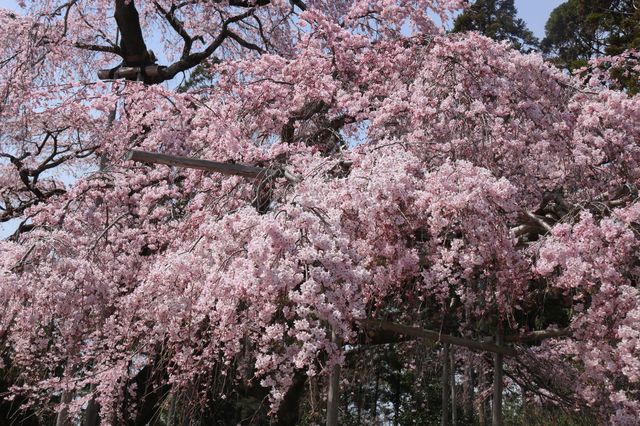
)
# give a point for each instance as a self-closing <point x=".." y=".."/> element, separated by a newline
<point x="580" y="30"/>
<point x="497" y="19"/>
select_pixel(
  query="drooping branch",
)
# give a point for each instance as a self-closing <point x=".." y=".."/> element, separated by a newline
<point x="31" y="168"/>
<point x="554" y="209"/>
<point x="196" y="58"/>
<point x="307" y="111"/>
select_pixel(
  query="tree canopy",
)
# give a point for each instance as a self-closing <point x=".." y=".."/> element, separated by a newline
<point x="497" y="19"/>
<point x="385" y="183"/>
<point x="580" y="30"/>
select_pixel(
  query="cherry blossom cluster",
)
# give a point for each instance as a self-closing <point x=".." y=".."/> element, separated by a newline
<point x="440" y="177"/>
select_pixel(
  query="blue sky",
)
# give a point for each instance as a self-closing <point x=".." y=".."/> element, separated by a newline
<point x="535" y="13"/>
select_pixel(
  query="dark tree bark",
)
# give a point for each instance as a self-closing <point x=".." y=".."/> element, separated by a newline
<point x="132" y="46"/>
<point x="289" y="411"/>
<point x="468" y="391"/>
<point x="446" y="387"/>
<point x="498" y="359"/>
<point x="333" y="394"/>
<point x="454" y="402"/>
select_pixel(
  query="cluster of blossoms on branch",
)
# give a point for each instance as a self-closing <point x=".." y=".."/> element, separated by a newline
<point x="444" y="179"/>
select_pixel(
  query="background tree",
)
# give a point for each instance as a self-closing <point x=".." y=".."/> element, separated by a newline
<point x="497" y="19"/>
<point x="580" y="30"/>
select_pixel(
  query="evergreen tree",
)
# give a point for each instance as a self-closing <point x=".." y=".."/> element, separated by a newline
<point x="497" y="19"/>
<point x="580" y="30"/>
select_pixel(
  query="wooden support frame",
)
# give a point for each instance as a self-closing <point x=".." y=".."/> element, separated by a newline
<point x="435" y="336"/>
<point x="399" y="333"/>
<point x="230" y="169"/>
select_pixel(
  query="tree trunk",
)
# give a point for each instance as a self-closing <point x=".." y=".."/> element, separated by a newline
<point x="90" y="416"/>
<point x="446" y="386"/>
<point x="496" y="408"/>
<point x="454" y="408"/>
<point x="468" y="389"/>
<point x="132" y="45"/>
<point x="62" y="419"/>
<point x="333" y="396"/>
<point x="482" y="402"/>
<point x="375" y="395"/>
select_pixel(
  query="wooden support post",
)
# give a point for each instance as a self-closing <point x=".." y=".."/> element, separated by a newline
<point x="445" y="417"/>
<point x="496" y="406"/>
<point x="454" y="402"/>
<point x="333" y="395"/>
<point x="468" y="389"/>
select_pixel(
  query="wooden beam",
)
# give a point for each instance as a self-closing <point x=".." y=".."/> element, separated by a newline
<point x="534" y="336"/>
<point x="435" y="336"/>
<point x="230" y="169"/>
<point x="151" y="72"/>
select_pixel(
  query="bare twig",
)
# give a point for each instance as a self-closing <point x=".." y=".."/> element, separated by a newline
<point x="104" y="232"/>
<point x="23" y="259"/>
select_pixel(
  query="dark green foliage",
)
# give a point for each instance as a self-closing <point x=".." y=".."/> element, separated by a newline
<point x="497" y="19"/>
<point x="201" y="76"/>
<point x="518" y="414"/>
<point x="580" y="30"/>
<point x="392" y="384"/>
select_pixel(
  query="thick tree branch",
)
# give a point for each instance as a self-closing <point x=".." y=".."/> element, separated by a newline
<point x="132" y="45"/>
<point x="194" y="59"/>
<point x="134" y="50"/>
<point x="242" y="42"/>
